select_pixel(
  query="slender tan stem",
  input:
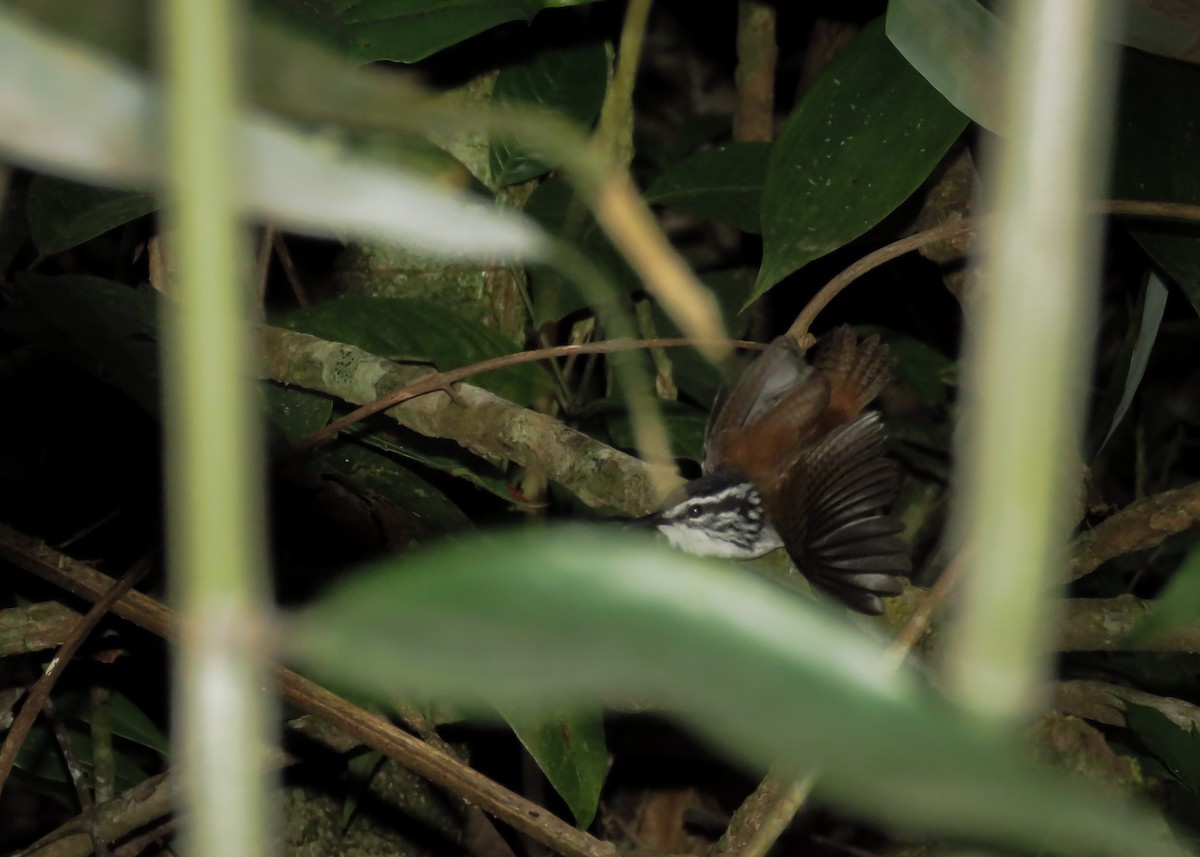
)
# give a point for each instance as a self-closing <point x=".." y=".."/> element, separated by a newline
<point x="1134" y="208"/>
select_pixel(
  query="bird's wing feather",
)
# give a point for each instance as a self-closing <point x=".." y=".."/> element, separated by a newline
<point x="830" y="516"/>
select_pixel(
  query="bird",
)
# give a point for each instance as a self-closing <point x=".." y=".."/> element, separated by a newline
<point x="793" y="459"/>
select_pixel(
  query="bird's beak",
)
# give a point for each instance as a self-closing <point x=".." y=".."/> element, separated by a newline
<point x="646" y="522"/>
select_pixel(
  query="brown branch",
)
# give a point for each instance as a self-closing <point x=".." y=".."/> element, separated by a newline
<point x="1104" y="625"/>
<point x="39" y="694"/>
<point x="289" y="270"/>
<point x="1105" y="703"/>
<point x="754" y="78"/>
<point x="1118" y="207"/>
<point x="487" y="425"/>
<point x="1141" y="525"/>
<point x="439" y="382"/>
<point x="868" y="263"/>
<point x="130" y="810"/>
<point x="84" y="581"/>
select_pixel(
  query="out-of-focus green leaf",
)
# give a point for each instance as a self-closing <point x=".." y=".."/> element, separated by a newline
<point x="1177" y="607"/>
<point x="121" y="28"/>
<point x="410" y="30"/>
<point x="723" y="184"/>
<point x="71" y="112"/>
<point x="411" y="330"/>
<point x="575" y="616"/>
<point x="110" y="329"/>
<point x="1179" y="750"/>
<point x="860" y="142"/>
<point x="1154" y="302"/>
<point x="955" y="45"/>
<point x="571" y="751"/>
<point x="63" y="214"/>
<point x="1157" y="135"/>
<point x="570" y="81"/>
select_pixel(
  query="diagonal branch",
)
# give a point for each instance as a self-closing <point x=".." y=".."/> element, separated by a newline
<point x="487" y="425"/>
<point x="84" y="581"/>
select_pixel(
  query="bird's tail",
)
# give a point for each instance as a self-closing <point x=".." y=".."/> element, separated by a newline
<point x="857" y="371"/>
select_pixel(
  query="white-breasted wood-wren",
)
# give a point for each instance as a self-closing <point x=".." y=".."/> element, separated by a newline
<point x="792" y="460"/>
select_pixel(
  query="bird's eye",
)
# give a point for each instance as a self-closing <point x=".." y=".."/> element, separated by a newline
<point x="695" y="510"/>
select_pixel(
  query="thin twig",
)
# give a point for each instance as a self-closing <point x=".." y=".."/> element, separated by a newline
<point x="920" y="620"/>
<point x="1118" y="207"/>
<point x="262" y="265"/>
<point x="870" y="262"/>
<point x="440" y="381"/>
<point x="84" y="581"/>
<point x="289" y="270"/>
<point x="40" y="692"/>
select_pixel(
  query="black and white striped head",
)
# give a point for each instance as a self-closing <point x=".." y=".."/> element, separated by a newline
<point x="720" y="514"/>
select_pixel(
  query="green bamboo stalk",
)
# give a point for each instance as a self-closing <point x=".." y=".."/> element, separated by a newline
<point x="214" y="448"/>
<point x="1031" y="336"/>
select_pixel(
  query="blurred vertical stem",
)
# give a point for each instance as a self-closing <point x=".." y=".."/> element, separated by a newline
<point x="614" y="130"/>
<point x="214" y="456"/>
<point x="754" y="109"/>
<point x="613" y="138"/>
<point x="1031" y="338"/>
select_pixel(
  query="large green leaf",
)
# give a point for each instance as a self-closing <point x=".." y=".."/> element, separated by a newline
<point x="75" y="113"/>
<point x="1157" y="137"/>
<point x="570" y="81"/>
<point x="411" y="330"/>
<point x="570" y="749"/>
<point x="573" y="616"/>
<point x="63" y="214"/>
<point x="954" y="44"/>
<point x="860" y="142"/>
<point x="723" y="184"/>
<point x="410" y="30"/>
